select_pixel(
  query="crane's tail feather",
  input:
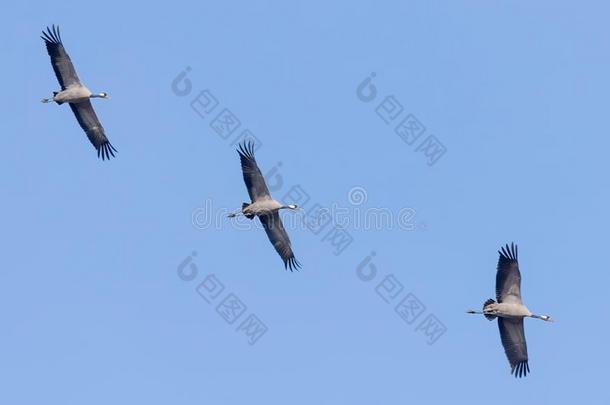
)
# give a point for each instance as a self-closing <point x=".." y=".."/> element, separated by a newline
<point x="249" y="216"/>
<point x="486" y="303"/>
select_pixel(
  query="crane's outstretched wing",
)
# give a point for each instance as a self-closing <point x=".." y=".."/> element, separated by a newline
<point x="513" y="340"/>
<point x="508" y="277"/>
<point x="255" y="182"/>
<point x="279" y="239"/>
<point x="62" y="65"/>
<point x="93" y="128"/>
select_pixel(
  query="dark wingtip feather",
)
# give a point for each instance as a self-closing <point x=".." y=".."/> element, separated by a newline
<point x="520" y="369"/>
<point x="52" y="35"/>
<point x="246" y="149"/>
<point x="292" y="264"/>
<point x="241" y="151"/>
<point x="509" y="252"/>
<point x="56" y="33"/>
<point x="106" y="150"/>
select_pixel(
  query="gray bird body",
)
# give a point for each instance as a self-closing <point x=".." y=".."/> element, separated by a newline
<point x="507" y="310"/>
<point x="75" y="93"/>
<point x="262" y="207"/>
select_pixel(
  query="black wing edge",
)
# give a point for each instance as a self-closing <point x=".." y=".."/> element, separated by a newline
<point x="106" y="150"/>
<point x="292" y="264"/>
<point x="246" y="150"/>
<point x="508" y="254"/>
<point x="52" y="36"/>
<point x="520" y="369"/>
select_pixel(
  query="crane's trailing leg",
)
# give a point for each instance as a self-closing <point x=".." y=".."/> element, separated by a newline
<point x="489" y="312"/>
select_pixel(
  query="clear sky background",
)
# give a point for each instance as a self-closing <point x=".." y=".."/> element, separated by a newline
<point x="93" y="310"/>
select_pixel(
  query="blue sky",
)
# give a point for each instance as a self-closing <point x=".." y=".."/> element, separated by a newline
<point x="93" y="308"/>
